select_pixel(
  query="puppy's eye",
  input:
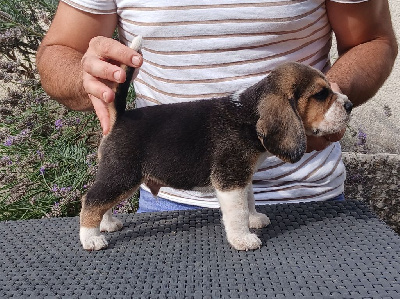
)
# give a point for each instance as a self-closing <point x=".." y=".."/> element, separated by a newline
<point x="322" y="95"/>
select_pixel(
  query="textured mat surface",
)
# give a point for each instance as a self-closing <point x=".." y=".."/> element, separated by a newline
<point x="314" y="250"/>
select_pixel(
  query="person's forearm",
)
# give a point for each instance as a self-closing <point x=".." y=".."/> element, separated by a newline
<point x="61" y="76"/>
<point x="362" y="70"/>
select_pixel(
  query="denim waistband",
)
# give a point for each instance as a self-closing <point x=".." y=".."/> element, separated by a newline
<point x="150" y="203"/>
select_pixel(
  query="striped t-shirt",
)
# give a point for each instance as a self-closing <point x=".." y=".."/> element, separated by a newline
<point x="203" y="49"/>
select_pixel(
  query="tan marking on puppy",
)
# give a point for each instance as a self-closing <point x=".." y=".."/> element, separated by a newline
<point x="321" y="110"/>
<point x="310" y="109"/>
<point x="100" y="149"/>
<point x="336" y="118"/>
<point x="99" y="218"/>
<point x="92" y="216"/>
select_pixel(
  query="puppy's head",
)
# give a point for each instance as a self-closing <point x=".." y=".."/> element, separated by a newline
<point x="296" y="100"/>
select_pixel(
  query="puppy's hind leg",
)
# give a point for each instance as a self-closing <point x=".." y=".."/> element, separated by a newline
<point x="109" y="223"/>
<point x="96" y="213"/>
<point x="90" y="219"/>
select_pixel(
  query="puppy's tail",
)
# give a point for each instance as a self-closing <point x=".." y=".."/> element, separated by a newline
<point x="121" y="90"/>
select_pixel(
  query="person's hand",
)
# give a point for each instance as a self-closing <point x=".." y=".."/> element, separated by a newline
<point x="101" y="72"/>
<point x="318" y="143"/>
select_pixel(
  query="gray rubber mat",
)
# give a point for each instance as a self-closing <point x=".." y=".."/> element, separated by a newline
<point x="314" y="250"/>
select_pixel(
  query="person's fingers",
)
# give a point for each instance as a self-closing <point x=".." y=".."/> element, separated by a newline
<point x="102" y="69"/>
<point x="97" y="88"/>
<point x="110" y="49"/>
<point x="336" y="136"/>
<point x="316" y="143"/>
<point x="102" y="113"/>
<point x="335" y="87"/>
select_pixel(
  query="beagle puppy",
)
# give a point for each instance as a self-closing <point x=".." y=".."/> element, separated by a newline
<point x="215" y="144"/>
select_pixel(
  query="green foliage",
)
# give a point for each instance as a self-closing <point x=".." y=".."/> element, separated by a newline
<point x="23" y="23"/>
<point x="47" y="159"/>
<point x="47" y="153"/>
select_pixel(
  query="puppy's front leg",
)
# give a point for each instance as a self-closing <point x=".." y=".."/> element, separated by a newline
<point x="235" y="216"/>
<point x="256" y="219"/>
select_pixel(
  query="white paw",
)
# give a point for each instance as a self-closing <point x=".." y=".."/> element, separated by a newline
<point x="245" y="241"/>
<point x="110" y="224"/>
<point x="95" y="243"/>
<point x="258" y="220"/>
<point x="91" y="239"/>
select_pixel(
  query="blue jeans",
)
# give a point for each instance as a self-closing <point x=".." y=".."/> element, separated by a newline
<point x="150" y="203"/>
<point x="340" y="197"/>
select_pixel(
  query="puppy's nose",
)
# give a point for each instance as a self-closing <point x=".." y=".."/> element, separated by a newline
<point x="348" y="106"/>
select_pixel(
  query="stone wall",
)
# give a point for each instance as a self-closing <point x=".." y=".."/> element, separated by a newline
<point x="375" y="180"/>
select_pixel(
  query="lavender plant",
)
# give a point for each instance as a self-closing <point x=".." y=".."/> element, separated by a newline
<point x="22" y="25"/>
<point x="47" y="153"/>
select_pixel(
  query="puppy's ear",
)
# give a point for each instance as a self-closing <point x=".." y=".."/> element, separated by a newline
<point x="280" y="128"/>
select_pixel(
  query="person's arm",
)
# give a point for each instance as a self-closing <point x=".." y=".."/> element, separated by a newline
<point x="78" y="58"/>
<point x="367" y="49"/>
<point x="366" y="44"/>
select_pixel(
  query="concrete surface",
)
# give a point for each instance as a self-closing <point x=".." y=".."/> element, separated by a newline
<point x="374" y="179"/>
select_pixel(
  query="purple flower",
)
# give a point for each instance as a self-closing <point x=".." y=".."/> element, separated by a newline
<point x="91" y="158"/>
<point x="40" y="154"/>
<point x="64" y="190"/>
<point x="9" y="141"/>
<point x="24" y="132"/>
<point x="361" y="137"/>
<point x="58" y="124"/>
<point x="387" y="111"/>
<point x="6" y="160"/>
<point x="56" y="210"/>
<point x="23" y="135"/>
<point x="55" y="188"/>
<point x="41" y="170"/>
